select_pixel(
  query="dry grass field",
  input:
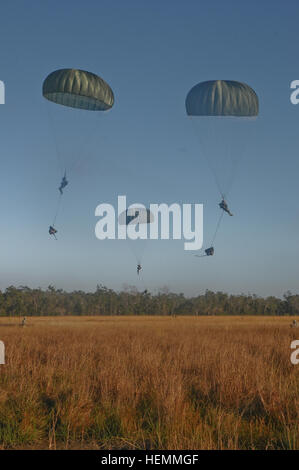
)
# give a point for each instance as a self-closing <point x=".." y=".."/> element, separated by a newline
<point x="147" y="382"/>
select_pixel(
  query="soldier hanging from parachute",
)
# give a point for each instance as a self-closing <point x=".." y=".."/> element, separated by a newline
<point x="52" y="231"/>
<point x="221" y="109"/>
<point x="77" y="89"/>
<point x="223" y="205"/>
<point x="63" y="184"/>
<point x="137" y="219"/>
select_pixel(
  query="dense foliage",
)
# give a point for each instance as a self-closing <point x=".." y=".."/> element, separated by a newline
<point x="104" y="301"/>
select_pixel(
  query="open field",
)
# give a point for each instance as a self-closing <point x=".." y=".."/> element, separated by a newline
<point x="149" y="382"/>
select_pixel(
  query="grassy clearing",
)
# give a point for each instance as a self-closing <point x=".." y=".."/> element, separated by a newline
<point x="146" y="382"/>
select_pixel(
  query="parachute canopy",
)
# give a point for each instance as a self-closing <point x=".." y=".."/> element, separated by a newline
<point x="78" y="89"/>
<point x="136" y="215"/>
<point x="222" y="98"/>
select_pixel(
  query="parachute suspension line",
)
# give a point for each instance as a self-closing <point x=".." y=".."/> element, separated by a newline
<point x="212" y="167"/>
<point x="217" y="228"/>
<point x="141" y="280"/>
<point x="91" y="136"/>
<point x="213" y="171"/>
<point x="57" y="209"/>
<point x="208" y="161"/>
<point x="52" y="130"/>
<point x="236" y="161"/>
<point x="137" y="248"/>
<point x="235" y="165"/>
<point x="233" y="159"/>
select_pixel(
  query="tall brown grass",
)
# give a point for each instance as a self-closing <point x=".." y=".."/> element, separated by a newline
<point x="146" y="382"/>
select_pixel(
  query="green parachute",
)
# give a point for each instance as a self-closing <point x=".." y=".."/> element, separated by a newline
<point x="136" y="215"/>
<point x="222" y="98"/>
<point x="78" y="89"/>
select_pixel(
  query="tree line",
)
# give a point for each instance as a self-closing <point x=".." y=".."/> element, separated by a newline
<point x="24" y="301"/>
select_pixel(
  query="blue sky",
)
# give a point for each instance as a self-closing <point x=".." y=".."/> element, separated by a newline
<point x="151" y="54"/>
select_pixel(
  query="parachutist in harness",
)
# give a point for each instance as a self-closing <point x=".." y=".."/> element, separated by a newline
<point x="209" y="251"/>
<point x="138" y="268"/>
<point x="52" y="231"/>
<point x="63" y="184"/>
<point x="223" y="205"/>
